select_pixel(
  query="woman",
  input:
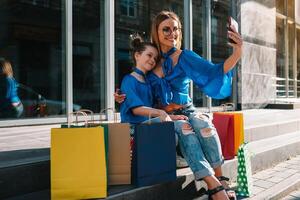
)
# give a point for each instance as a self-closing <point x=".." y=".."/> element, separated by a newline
<point x="170" y="80"/>
<point x="10" y="104"/>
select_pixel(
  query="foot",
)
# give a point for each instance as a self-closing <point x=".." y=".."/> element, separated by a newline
<point x="217" y="193"/>
<point x="231" y="193"/>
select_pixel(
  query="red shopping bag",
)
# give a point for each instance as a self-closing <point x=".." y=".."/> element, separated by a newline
<point x="224" y="124"/>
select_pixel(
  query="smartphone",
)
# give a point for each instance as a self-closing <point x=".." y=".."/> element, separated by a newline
<point x="233" y="22"/>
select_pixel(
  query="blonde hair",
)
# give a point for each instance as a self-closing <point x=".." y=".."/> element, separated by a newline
<point x="158" y="19"/>
<point x="6" y="68"/>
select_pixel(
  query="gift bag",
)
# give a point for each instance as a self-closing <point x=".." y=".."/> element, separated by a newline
<point x="119" y="162"/>
<point x="154" y="153"/>
<point x="244" y="178"/>
<point x="78" y="166"/>
<point x="224" y="123"/>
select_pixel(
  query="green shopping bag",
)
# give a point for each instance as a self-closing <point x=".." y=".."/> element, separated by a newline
<point x="244" y="178"/>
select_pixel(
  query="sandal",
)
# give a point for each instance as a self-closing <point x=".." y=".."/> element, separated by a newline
<point x="228" y="190"/>
<point x="211" y="192"/>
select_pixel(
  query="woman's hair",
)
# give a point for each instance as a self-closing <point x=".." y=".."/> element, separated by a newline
<point x="138" y="45"/>
<point x="6" y="68"/>
<point x="158" y="19"/>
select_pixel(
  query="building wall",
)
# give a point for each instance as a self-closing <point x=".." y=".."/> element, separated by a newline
<point x="258" y="65"/>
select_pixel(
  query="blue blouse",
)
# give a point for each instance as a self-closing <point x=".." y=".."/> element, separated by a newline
<point x="137" y="94"/>
<point x="174" y="86"/>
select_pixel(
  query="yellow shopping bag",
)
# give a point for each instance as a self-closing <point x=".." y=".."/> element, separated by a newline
<point x="78" y="166"/>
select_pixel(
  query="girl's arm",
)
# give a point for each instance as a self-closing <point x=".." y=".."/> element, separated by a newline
<point x="146" y="111"/>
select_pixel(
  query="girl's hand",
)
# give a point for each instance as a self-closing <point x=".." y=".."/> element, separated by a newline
<point x="178" y="117"/>
<point x="119" y="98"/>
<point x="164" y="117"/>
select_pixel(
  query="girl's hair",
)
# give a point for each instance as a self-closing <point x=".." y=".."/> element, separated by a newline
<point x="6" y="68"/>
<point x="158" y="19"/>
<point x="138" y="45"/>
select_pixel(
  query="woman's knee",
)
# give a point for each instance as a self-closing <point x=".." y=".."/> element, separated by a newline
<point x="183" y="127"/>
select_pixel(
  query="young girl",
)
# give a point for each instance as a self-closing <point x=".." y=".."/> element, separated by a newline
<point x="138" y="104"/>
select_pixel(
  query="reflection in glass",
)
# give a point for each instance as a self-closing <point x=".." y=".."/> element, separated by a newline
<point x="280" y="55"/>
<point x="291" y="8"/>
<point x="32" y="39"/>
<point x="280" y="6"/>
<point x="88" y="55"/>
<point x="198" y="15"/>
<point x="126" y="24"/>
<point x="220" y="49"/>
<point x="298" y="62"/>
<point x="291" y="33"/>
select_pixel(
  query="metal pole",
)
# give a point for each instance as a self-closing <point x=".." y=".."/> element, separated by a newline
<point x="207" y="53"/>
<point x="188" y="31"/>
<point x="69" y="58"/>
<point x="110" y="55"/>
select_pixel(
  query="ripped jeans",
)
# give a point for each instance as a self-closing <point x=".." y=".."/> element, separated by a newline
<point x="199" y="144"/>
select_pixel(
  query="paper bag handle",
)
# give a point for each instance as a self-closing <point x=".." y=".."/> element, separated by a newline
<point x="76" y="114"/>
<point x="106" y="109"/>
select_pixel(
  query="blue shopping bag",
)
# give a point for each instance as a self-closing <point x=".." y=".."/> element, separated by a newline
<point x="154" y="154"/>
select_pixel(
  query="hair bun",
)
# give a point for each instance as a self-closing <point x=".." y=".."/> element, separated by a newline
<point x="136" y="40"/>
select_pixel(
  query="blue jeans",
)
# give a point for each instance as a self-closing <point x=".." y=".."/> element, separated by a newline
<point x="200" y="145"/>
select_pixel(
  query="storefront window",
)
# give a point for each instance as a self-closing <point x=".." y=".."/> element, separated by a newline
<point x="124" y="26"/>
<point x="291" y="43"/>
<point x="298" y="62"/>
<point x="88" y="55"/>
<point x="32" y="40"/>
<point x="280" y="55"/>
<point x="291" y="8"/>
<point x="220" y="50"/>
<point x="198" y="35"/>
<point x="280" y="6"/>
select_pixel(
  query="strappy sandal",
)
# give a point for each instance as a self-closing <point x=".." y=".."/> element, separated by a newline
<point x="228" y="190"/>
<point x="211" y="192"/>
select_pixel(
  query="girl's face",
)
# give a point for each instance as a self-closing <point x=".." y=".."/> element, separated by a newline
<point x="168" y="33"/>
<point x="147" y="59"/>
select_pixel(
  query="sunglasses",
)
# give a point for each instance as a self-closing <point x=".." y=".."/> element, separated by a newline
<point x="167" y="31"/>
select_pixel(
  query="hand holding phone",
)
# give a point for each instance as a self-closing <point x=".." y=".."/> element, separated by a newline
<point x="232" y="22"/>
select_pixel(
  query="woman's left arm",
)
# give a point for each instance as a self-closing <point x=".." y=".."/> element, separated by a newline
<point x="231" y="61"/>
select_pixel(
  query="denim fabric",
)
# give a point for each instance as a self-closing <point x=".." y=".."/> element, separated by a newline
<point x="202" y="151"/>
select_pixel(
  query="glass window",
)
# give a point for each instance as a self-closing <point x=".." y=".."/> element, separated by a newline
<point x="128" y="8"/>
<point x="280" y="57"/>
<point x="88" y="55"/>
<point x="280" y="6"/>
<point x="198" y="33"/>
<point x="291" y="8"/>
<point x="298" y="62"/>
<point x="32" y="40"/>
<point x="220" y="50"/>
<point x="141" y="24"/>
<point x="291" y="44"/>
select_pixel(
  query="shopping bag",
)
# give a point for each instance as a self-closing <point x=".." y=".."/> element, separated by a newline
<point x="78" y="166"/>
<point x="238" y="130"/>
<point x="224" y="123"/>
<point x="154" y="153"/>
<point x="119" y="155"/>
<point x="244" y="178"/>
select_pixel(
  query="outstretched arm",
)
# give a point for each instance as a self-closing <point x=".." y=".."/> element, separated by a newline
<point x="231" y="61"/>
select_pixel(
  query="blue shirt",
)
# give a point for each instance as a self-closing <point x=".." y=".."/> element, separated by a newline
<point x="9" y="87"/>
<point x="137" y="94"/>
<point x="174" y="87"/>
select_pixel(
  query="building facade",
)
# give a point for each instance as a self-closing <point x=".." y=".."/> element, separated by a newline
<point x="68" y="55"/>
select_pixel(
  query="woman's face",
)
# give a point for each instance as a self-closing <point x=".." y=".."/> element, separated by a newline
<point x="147" y="59"/>
<point x="168" y="33"/>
